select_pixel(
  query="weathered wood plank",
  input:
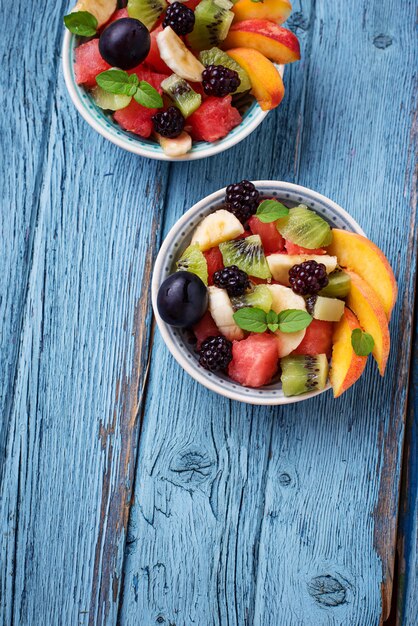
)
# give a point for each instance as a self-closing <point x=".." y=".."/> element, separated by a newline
<point x="82" y="366"/>
<point x="303" y="526"/>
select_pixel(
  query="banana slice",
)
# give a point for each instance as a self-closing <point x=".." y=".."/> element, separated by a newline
<point x="220" y="308"/>
<point x="216" y="228"/>
<point x="178" y="58"/>
<point x="101" y="9"/>
<point x="284" y="298"/>
<point x="175" y="147"/>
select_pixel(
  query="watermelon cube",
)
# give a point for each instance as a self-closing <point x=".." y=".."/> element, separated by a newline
<point x="205" y="328"/>
<point x="154" y="59"/>
<point x="270" y="237"/>
<point x="317" y="339"/>
<point x="254" y="360"/>
<point x="88" y="63"/>
<point x="136" y="119"/>
<point x="214" y="262"/>
<point x="153" y="78"/>
<point x="214" y="119"/>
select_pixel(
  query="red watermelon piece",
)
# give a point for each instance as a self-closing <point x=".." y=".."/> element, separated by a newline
<point x="118" y="15"/>
<point x="317" y="339"/>
<point x="292" y="248"/>
<point x="205" y="328"/>
<point x="270" y="237"/>
<point x="214" y="262"/>
<point x="154" y="59"/>
<point x="153" y="78"/>
<point x="214" y="119"/>
<point x="254" y="360"/>
<point x="136" y="119"/>
<point x="88" y="63"/>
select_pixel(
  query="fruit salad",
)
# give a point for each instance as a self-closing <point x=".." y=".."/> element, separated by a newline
<point x="180" y="72"/>
<point x="272" y="293"/>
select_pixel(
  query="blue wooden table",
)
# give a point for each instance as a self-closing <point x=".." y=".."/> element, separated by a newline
<point x="129" y="494"/>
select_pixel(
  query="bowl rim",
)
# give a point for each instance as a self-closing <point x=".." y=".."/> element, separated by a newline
<point x="172" y="236"/>
<point x="135" y="145"/>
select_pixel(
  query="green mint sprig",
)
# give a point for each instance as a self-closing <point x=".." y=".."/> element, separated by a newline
<point x="122" y="83"/>
<point x="81" y="23"/>
<point x="363" y="343"/>
<point x="256" y="320"/>
<point x="271" y="210"/>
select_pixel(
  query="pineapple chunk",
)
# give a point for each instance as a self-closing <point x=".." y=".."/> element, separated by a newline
<point x="328" y="309"/>
<point x="216" y="228"/>
<point x="280" y="264"/>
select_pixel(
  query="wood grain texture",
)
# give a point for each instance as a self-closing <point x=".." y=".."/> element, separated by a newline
<point x="303" y="526"/>
<point x="73" y="424"/>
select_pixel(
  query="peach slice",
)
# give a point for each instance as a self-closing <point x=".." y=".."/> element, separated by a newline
<point x="368" y="261"/>
<point x="275" y="42"/>
<point x="267" y="84"/>
<point x="366" y="305"/>
<point x="346" y="365"/>
<point x="274" y="10"/>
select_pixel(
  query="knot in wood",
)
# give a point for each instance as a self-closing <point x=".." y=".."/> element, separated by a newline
<point x="298" y="20"/>
<point x="382" y="41"/>
<point x="284" y="479"/>
<point x="192" y="467"/>
<point x="327" y="590"/>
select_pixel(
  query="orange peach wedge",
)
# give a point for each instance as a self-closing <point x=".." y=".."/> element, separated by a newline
<point x="274" y="10"/>
<point x="366" y="305"/>
<point x="275" y="42"/>
<point x="346" y="365"/>
<point x="267" y="84"/>
<point x="368" y="261"/>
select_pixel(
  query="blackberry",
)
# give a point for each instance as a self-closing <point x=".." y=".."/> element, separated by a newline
<point x="219" y="81"/>
<point x="242" y="200"/>
<point x="215" y="353"/>
<point x="308" y="277"/>
<point x="180" y="18"/>
<point x="169" y="123"/>
<point x="231" y="278"/>
<point x="310" y="304"/>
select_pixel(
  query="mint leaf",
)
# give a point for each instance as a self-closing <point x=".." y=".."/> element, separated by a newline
<point x="148" y="96"/>
<point x="271" y="210"/>
<point x="272" y="317"/>
<point x="292" y="320"/>
<point x="81" y="23"/>
<point x="251" y="319"/>
<point x="118" y="81"/>
<point x="362" y="342"/>
<point x="273" y="327"/>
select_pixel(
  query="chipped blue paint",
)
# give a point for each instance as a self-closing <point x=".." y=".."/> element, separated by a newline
<point x="240" y="515"/>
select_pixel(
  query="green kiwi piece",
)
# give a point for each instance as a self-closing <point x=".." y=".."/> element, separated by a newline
<point x="146" y="11"/>
<point x="259" y="297"/>
<point x="339" y="285"/>
<point x="247" y="254"/>
<point x="193" y="260"/>
<point x="305" y="228"/>
<point x="302" y="373"/>
<point x="109" y="101"/>
<point x="215" y="56"/>
<point x="212" y="21"/>
<point x="183" y="96"/>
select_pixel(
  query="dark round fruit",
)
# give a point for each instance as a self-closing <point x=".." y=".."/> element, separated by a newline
<point x="308" y="277"/>
<point x="180" y="18"/>
<point x="182" y="299"/>
<point x="215" y="353"/>
<point x="231" y="278"/>
<point x="169" y="123"/>
<point x="219" y="81"/>
<point x="242" y="200"/>
<point x="125" y="43"/>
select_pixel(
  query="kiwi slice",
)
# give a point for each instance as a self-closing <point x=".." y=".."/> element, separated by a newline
<point x="109" y="101"/>
<point x="183" y="96"/>
<point x="215" y="56"/>
<point x="302" y="373"/>
<point x="305" y="228"/>
<point x="193" y="260"/>
<point x="247" y="254"/>
<point x="212" y="21"/>
<point x="339" y="285"/>
<point x="259" y="297"/>
<point x="146" y="11"/>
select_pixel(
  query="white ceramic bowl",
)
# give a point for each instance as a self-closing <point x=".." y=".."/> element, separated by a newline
<point x="105" y="125"/>
<point x="177" y="240"/>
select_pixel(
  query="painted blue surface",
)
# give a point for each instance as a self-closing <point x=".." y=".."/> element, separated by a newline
<point x="237" y="515"/>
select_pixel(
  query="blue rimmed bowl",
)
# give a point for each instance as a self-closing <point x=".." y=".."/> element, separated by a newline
<point x="105" y="126"/>
<point x="178" y="341"/>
